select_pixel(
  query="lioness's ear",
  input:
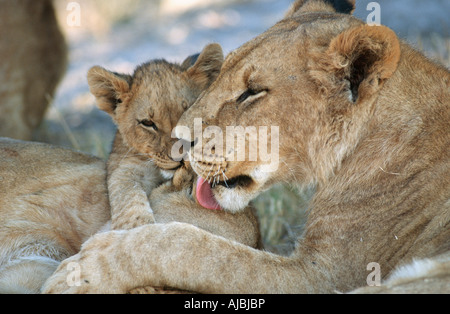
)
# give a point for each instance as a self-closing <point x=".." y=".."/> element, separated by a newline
<point x="363" y="57"/>
<point x="108" y="88"/>
<point x="208" y="66"/>
<point x="338" y="6"/>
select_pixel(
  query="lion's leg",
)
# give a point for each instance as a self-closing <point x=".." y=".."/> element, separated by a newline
<point x="128" y="195"/>
<point x="26" y="275"/>
<point x="210" y="264"/>
<point x="184" y="257"/>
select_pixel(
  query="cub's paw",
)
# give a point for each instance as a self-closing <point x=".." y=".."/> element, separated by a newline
<point x="183" y="178"/>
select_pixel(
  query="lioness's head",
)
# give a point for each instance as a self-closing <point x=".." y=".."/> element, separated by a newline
<point x="147" y="105"/>
<point x="315" y="76"/>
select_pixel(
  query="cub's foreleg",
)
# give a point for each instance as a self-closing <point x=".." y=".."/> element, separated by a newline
<point x="129" y="185"/>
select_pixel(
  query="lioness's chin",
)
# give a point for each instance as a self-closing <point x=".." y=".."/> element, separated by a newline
<point x="232" y="200"/>
<point x="236" y="194"/>
<point x="231" y="190"/>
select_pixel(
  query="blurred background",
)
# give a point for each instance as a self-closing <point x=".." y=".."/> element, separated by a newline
<point x="120" y="34"/>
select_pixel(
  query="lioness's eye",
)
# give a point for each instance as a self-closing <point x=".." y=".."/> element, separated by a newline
<point x="247" y="94"/>
<point x="252" y="90"/>
<point x="148" y="124"/>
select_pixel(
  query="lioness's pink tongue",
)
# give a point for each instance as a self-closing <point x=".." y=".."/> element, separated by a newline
<point x="205" y="195"/>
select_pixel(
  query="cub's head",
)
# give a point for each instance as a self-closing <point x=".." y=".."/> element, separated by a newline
<point x="301" y="94"/>
<point x="147" y="105"/>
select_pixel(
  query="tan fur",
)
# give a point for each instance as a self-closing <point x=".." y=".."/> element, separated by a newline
<point x="52" y="199"/>
<point x="361" y="115"/>
<point x="428" y="276"/>
<point x="33" y="53"/>
<point x="157" y="94"/>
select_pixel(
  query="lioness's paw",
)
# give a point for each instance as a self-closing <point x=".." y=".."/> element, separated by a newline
<point x="88" y="271"/>
<point x="134" y="220"/>
<point x="67" y="279"/>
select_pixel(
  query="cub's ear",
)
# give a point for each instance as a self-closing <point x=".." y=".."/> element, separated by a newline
<point x="109" y="88"/>
<point x="361" y="59"/>
<point x="189" y="62"/>
<point x="338" y="6"/>
<point x="207" y="67"/>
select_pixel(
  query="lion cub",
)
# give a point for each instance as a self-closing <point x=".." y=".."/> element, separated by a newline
<point x="146" y="107"/>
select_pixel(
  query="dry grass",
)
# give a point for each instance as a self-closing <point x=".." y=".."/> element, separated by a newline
<point x="283" y="212"/>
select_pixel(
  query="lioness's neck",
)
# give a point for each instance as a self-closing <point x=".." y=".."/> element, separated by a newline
<point x="396" y="181"/>
<point x="409" y="129"/>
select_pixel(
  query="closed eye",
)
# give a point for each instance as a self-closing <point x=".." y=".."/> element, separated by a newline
<point x="250" y="93"/>
<point x="246" y="95"/>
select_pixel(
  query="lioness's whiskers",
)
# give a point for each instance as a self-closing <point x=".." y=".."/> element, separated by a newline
<point x="209" y="174"/>
<point x="225" y="180"/>
<point x="217" y="172"/>
<point x="224" y="176"/>
<point x="216" y="177"/>
<point x="216" y="180"/>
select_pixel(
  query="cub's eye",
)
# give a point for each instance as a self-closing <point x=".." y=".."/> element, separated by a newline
<point x="148" y="124"/>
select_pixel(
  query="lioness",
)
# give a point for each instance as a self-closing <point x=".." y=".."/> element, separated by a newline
<point x="362" y="116"/>
<point x="146" y="106"/>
